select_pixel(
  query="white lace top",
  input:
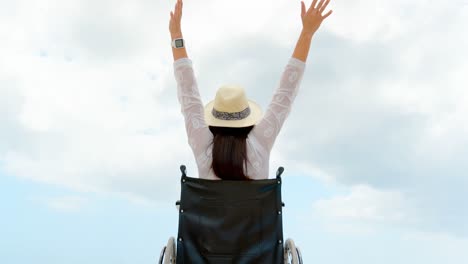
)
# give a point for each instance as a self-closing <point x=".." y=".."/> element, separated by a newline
<point x="260" y="139"/>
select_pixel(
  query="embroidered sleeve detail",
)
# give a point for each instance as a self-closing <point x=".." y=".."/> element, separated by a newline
<point x="182" y="61"/>
<point x="191" y="104"/>
<point x="297" y="63"/>
<point x="280" y="106"/>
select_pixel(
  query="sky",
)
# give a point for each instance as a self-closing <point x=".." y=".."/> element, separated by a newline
<point x="375" y="148"/>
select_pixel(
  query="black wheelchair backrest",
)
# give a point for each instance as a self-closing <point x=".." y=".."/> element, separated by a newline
<point x="230" y="221"/>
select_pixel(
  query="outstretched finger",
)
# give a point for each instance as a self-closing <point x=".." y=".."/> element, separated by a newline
<point x="320" y="4"/>
<point x="327" y="14"/>
<point x="324" y="6"/>
<point x="175" y="9"/>
<point x="312" y="6"/>
<point x="303" y="9"/>
<point x="178" y="8"/>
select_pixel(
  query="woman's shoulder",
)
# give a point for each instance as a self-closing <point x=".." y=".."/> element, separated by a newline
<point x="256" y="141"/>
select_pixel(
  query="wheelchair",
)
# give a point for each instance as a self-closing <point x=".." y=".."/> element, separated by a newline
<point x="230" y="222"/>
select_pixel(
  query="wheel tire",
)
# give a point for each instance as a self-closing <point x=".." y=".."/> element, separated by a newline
<point x="161" y="256"/>
<point x="170" y="257"/>
<point x="290" y="252"/>
<point x="299" y="255"/>
<point x="168" y="253"/>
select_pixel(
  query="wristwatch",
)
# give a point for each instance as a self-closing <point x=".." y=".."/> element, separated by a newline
<point x="178" y="43"/>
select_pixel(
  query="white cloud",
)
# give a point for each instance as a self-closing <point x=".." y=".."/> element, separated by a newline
<point x="364" y="209"/>
<point x="66" y="203"/>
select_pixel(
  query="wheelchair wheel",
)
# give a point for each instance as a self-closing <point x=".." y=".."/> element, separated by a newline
<point x="168" y="253"/>
<point x="291" y="255"/>
<point x="299" y="255"/>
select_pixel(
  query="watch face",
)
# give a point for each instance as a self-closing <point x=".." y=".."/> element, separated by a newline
<point x="179" y="43"/>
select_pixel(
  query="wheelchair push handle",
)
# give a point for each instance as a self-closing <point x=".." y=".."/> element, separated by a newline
<point x="183" y="169"/>
<point x="279" y="172"/>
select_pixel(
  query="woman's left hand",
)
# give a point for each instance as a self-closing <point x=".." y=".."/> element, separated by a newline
<point x="176" y="17"/>
<point x="313" y="18"/>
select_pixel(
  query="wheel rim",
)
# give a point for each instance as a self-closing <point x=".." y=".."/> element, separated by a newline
<point x="161" y="256"/>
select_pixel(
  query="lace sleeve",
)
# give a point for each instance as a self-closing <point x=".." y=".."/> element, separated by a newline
<point x="278" y="110"/>
<point x="191" y="104"/>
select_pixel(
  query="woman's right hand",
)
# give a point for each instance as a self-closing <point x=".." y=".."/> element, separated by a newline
<point x="313" y="18"/>
<point x="176" y="17"/>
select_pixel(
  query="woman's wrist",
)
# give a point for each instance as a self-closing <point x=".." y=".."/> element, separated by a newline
<point x="303" y="45"/>
<point x="307" y="34"/>
<point x="176" y="34"/>
<point x="180" y="52"/>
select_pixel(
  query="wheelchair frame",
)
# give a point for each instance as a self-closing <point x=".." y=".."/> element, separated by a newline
<point x="169" y="254"/>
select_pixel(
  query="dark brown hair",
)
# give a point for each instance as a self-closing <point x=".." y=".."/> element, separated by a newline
<point x="230" y="152"/>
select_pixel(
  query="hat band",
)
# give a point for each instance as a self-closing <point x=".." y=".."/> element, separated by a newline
<point x="231" y="116"/>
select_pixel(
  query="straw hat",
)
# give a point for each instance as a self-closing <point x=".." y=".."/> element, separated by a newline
<point x="231" y="108"/>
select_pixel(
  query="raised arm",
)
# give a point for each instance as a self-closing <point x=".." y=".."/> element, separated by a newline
<point x="311" y="21"/>
<point x="176" y="30"/>
<point x="191" y="105"/>
<point x="279" y="108"/>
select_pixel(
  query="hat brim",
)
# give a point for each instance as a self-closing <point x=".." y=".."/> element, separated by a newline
<point x="254" y="116"/>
